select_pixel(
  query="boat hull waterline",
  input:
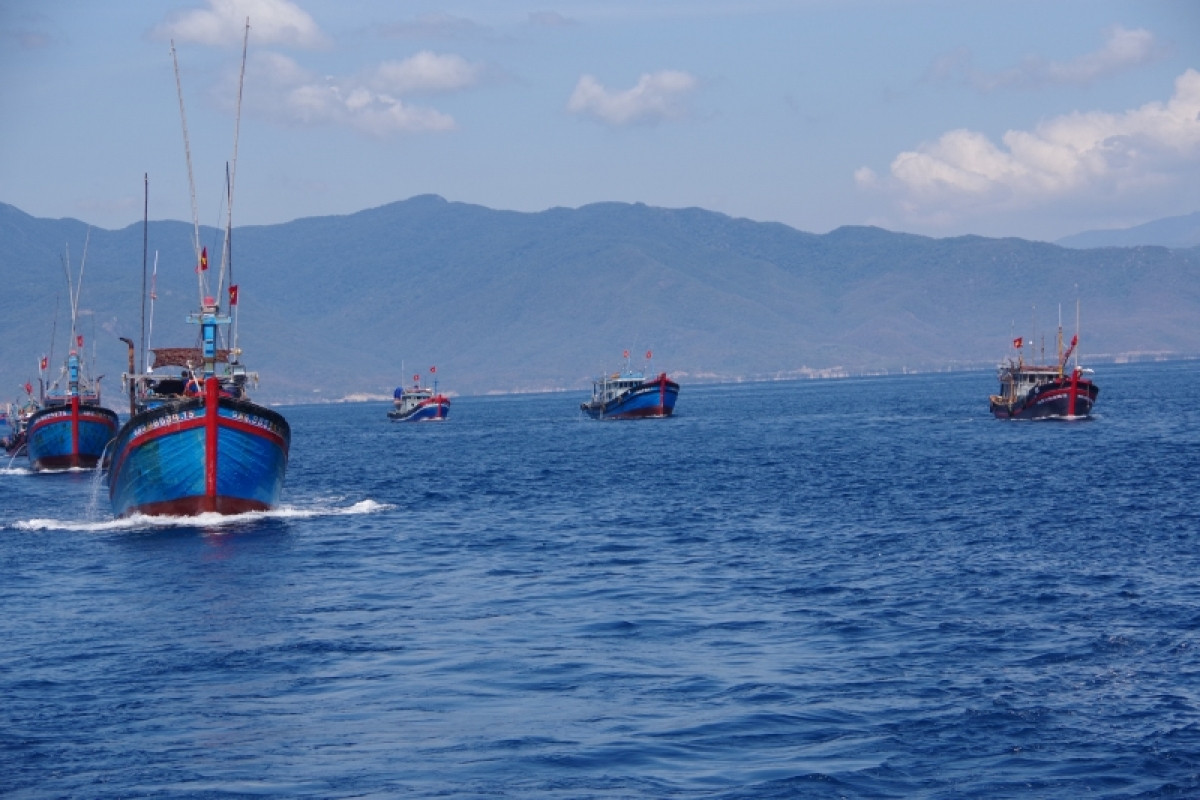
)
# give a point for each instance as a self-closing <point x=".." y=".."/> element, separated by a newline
<point x="1051" y="402"/>
<point x="431" y="411"/>
<point x="654" y="398"/>
<point x="69" y="436"/>
<point x="180" y="459"/>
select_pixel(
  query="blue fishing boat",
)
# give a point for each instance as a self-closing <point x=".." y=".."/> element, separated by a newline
<point x="16" y="422"/>
<point x="195" y="442"/>
<point x="418" y="403"/>
<point x="71" y="430"/>
<point x="629" y="394"/>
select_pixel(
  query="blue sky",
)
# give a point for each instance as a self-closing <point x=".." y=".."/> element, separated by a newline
<point x="1032" y="119"/>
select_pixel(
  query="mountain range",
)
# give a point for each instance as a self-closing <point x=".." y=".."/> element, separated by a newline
<point x="350" y="306"/>
<point x="1182" y="231"/>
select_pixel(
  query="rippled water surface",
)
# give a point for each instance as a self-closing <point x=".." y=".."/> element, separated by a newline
<point x="855" y="588"/>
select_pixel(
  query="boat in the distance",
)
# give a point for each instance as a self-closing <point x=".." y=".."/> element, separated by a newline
<point x="1046" y="391"/>
<point x="629" y="394"/>
<point x="419" y="403"/>
<point x="16" y="422"/>
<point x="70" y="429"/>
<point x="195" y="442"/>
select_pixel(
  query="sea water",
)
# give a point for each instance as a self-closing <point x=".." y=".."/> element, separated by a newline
<point x="842" y="588"/>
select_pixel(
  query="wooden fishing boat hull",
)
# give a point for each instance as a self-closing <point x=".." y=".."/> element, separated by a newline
<point x="198" y="455"/>
<point x="69" y="436"/>
<point x="1063" y="398"/>
<point x="432" y="410"/>
<point x="652" y="398"/>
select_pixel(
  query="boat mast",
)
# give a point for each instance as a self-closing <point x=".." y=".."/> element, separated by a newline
<point x="1077" y="328"/>
<point x="230" y="176"/>
<point x="1059" y="344"/>
<point x="145" y="251"/>
<point x="150" y="328"/>
<point x="73" y="356"/>
<point x="187" y="152"/>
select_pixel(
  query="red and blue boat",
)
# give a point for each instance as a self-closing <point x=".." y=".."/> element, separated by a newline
<point x="629" y="394"/>
<point x="1047" y="391"/>
<point x="16" y="421"/>
<point x="195" y="443"/>
<point x="418" y="403"/>
<point x="71" y="430"/>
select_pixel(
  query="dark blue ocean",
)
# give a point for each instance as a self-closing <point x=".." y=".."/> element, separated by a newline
<point x="862" y="588"/>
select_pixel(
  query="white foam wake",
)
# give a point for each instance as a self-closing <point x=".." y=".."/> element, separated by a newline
<point x="207" y="520"/>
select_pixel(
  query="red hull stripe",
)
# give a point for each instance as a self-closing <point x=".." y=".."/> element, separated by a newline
<point x="212" y="424"/>
<point x="75" y="427"/>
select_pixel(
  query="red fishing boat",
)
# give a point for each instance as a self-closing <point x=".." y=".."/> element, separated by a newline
<point x="1047" y="391"/>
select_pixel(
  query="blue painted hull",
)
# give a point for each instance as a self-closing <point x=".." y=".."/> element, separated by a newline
<point x="651" y="399"/>
<point x="66" y="437"/>
<point x="162" y="465"/>
<point x="424" y="413"/>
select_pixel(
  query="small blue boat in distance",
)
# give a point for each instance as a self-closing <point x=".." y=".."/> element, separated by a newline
<point x="631" y="395"/>
<point x="71" y="430"/>
<point x="418" y="403"/>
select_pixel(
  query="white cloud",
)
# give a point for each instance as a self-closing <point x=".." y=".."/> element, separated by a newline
<point x="426" y="72"/>
<point x="655" y="97"/>
<point x="276" y="22"/>
<point x="297" y="96"/>
<point x="1123" y="49"/>
<point x="1076" y="156"/>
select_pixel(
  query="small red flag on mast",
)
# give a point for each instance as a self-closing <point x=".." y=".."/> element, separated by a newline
<point x="1017" y="342"/>
<point x="233" y="294"/>
<point x="203" y="260"/>
<point x="433" y="369"/>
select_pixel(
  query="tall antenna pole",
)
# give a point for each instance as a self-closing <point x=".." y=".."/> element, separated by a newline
<point x="1077" y="325"/>
<point x="231" y="170"/>
<point x="145" y="250"/>
<point x="70" y="294"/>
<point x="187" y="150"/>
<point x="153" y="297"/>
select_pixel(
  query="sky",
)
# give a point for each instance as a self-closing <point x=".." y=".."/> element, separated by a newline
<point x="1028" y="118"/>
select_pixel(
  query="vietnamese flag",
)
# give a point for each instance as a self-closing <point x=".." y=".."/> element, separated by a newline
<point x="45" y="363"/>
<point x="79" y="340"/>
<point x="203" y="260"/>
<point x="28" y="388"/>
<point x="433" y="369"/>
<point x="1017" y="342"/>
<point x="649" y="355"/>
<point x="233" y="294"/>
